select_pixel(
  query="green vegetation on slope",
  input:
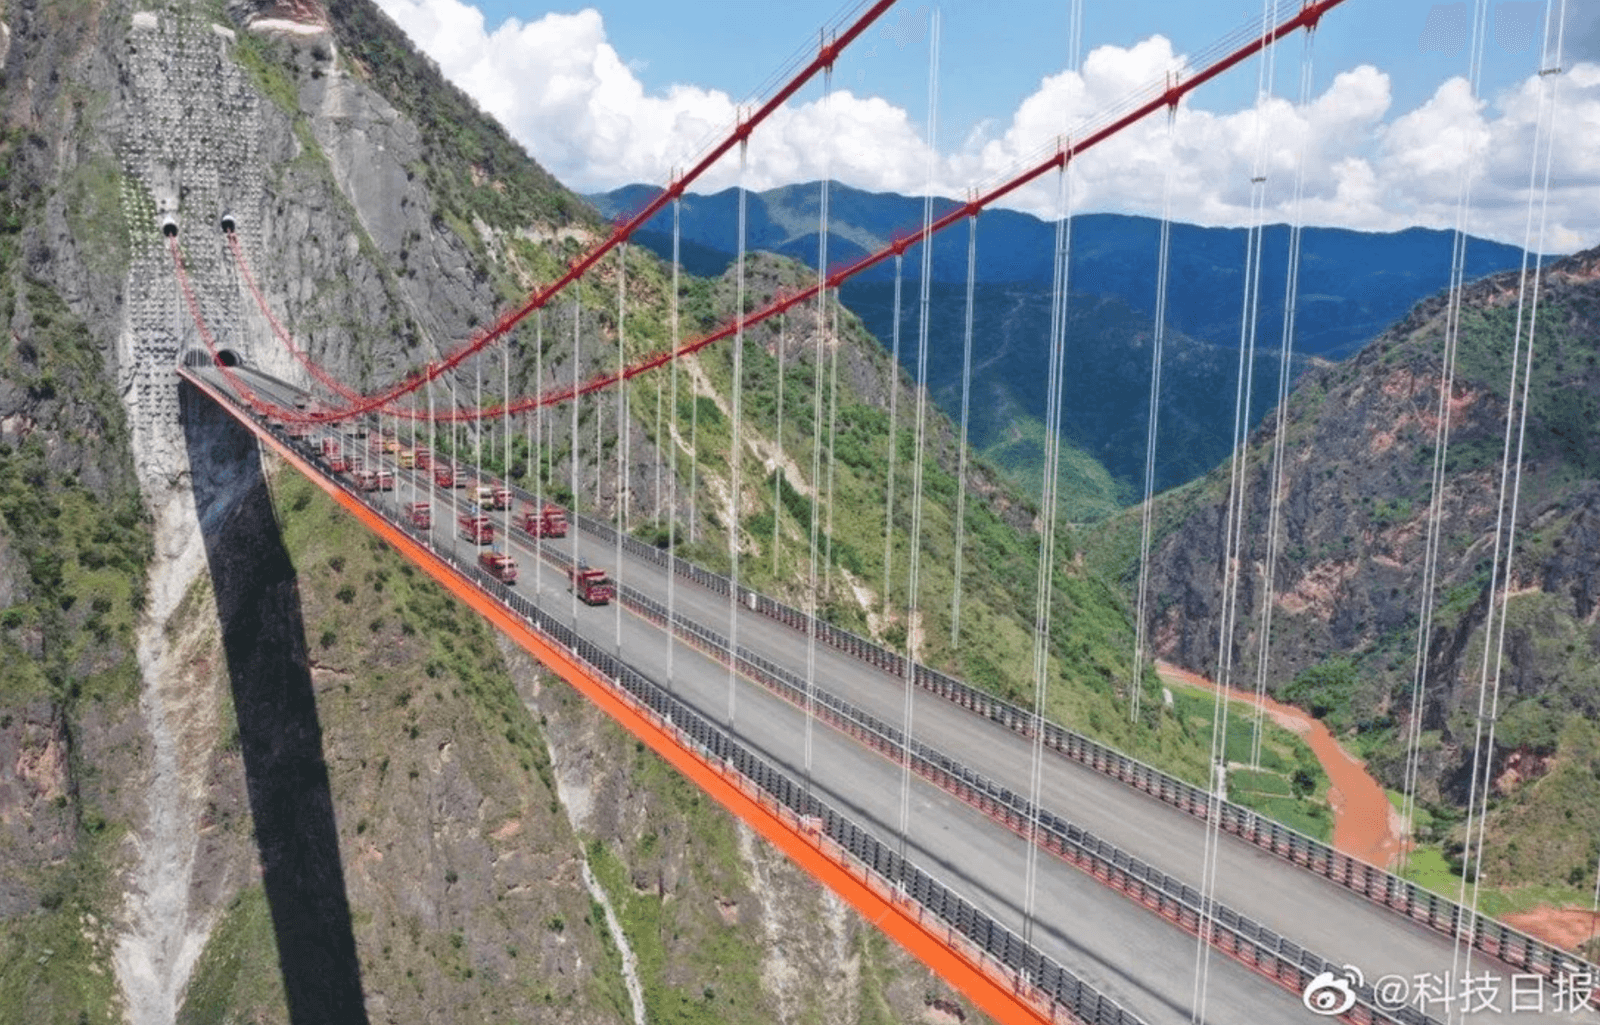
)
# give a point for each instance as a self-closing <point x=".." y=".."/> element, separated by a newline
<point x="74" y="544"/>
<point x="1090" y="667"/>
<point x="1286" y="783"/>
<point x="454" y="849"/>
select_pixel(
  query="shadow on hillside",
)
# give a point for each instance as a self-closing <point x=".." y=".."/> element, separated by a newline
<point x="263" y="636"/>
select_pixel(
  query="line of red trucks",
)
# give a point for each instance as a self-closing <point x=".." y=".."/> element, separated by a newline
<point x="591" y="585"/>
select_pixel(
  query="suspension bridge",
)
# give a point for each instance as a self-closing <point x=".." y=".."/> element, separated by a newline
<point x="1050" y="878"/>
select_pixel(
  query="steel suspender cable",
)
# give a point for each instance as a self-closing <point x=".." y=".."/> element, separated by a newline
<point x="1291" y="298"/>
<point x="672" y="516"/>
<point x="1092" y="132"/>
<point x="735" y="451"/>
<point x="505" y="431"/>
<point x="894" y="445"/>
<point x="694" y="397"/>
<point x="961" y="446"/>
<point x="1157" y="345"/>
<point x="1048" y="504"/>
<point x="1441" y="445"/>
<point x="816" y="434"/>
<point x="572" y="528"/>
<point x="536" y="459"/>
<point x="922" y="433"/>
<point x="433" y="447"/>
<point x="739" y="136"/>
<point x="622" y="429"/>
<point x="777" y="459"/>
<point x="1234" y="530"/>
<point x="1511" y="463"/>
<point x="655" y="518"/>
<point x="833" y="437"/>
<point x="453" y="528"/>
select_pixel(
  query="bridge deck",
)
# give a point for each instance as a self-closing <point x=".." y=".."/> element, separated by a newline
<point x="1108" y="941"/>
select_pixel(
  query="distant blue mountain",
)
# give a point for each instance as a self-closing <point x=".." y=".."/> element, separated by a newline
<point x="1353" y="285"/>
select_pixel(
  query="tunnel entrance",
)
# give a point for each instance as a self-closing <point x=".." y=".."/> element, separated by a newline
<point x="202" y="358"/>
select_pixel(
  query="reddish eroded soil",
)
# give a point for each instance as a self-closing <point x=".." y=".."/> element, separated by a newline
<point x="1365" y="825"/>
<point x="1568" y="928"/>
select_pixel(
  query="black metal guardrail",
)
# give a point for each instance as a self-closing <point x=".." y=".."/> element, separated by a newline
<point x="1056" y="984"/>
<point x="1408" y="899"/>
<point x="1243" y="938"/>
<point x="1267" y="952"/>
<point x="1270" y="954"/>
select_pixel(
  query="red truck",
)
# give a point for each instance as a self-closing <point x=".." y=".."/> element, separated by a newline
<point x="551" y="522"/>
<point x="499" y="565"/>
<point x="590" y="585"/>
<point x="475" y="527"/>
<point x="385" y="480"/>
<point x="421" y="515"/>
<point x="423" y="458"/>
<point x="334" y="456"/>
<point x="446" y="476"/>
<point x="367" y="480"/>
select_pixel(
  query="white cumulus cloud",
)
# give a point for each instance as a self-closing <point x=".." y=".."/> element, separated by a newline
<point x="578" y="106"/>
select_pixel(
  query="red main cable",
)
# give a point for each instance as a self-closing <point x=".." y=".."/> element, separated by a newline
<point x="1307" y="17"/>
<point x="824" y="58"/>
<point x="316" y="371"/>
<point x="206" y="336"/>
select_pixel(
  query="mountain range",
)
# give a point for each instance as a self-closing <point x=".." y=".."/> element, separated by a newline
<point x="1352" y="285"/>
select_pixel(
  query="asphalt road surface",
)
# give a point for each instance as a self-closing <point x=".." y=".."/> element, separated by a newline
<point x="1120" y="948"/>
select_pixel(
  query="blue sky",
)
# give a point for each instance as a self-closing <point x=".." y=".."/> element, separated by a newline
<point x="994" y="62"/>
<point x="621" y="90"/>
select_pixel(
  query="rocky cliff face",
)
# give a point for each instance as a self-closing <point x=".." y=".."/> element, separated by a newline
<point x="1355" y="499"/>
<point x="251" y="768"/>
